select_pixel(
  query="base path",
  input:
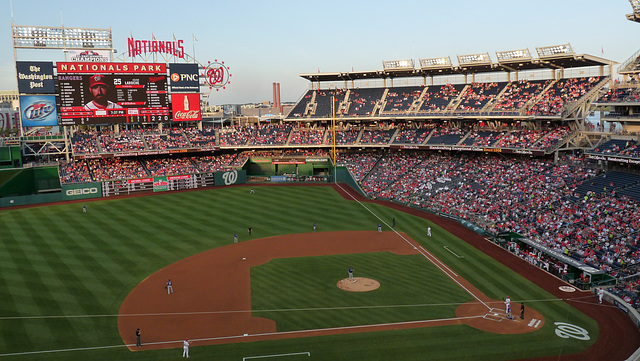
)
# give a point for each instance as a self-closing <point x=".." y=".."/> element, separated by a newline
<point x="211" y="303"/>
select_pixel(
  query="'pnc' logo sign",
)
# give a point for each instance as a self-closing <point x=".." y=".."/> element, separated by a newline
<point x="184" y="77"/>
<point x="81" y="191"/>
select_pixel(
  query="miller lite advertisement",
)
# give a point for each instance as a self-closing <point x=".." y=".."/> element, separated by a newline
<point x="38" y="110"/>
<point x="186" y="107"/>
<point x="184" y="78"/>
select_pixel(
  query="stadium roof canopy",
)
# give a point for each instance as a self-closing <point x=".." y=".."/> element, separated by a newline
<point x="553" y="61"/>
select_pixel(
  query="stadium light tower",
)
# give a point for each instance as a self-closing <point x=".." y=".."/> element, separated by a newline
<point x="635" y="16"/>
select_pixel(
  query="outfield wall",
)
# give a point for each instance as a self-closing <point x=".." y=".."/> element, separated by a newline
<point x="79" y="191"/>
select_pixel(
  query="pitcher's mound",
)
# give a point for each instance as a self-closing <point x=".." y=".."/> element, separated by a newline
<point x="359" y="284"/>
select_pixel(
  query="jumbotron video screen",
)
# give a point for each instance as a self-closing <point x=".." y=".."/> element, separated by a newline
<point x="108" y="93"/>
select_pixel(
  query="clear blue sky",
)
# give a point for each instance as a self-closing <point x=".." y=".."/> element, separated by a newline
<point x="273" y="41"/>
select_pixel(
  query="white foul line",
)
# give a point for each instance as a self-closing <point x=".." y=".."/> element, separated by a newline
<point x="278" y="355"/>
<point x="453" y="253"/>
<point x="423" y="251"/>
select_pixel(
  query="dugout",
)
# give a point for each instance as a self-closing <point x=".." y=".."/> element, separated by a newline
<point x="569" y="269"/>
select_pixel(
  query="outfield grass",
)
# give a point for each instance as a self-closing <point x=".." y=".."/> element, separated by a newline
<point x="64" y="274"/>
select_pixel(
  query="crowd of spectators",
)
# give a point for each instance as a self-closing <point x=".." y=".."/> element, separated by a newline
<point x="169" y="166"/>
<point x="620" y="94"/>
<point x="561" y="92"/>
<point x="234" y="136"/>
<point x="519" y="93"/>
<point x="400" y="99"/>
<point x="171" y="139"/>
<point x="376" y="136"/>
<point x="305" y="136"/>
<point x="74" y="172"/>
<point x="123" y="141"/>
<point x="115" y="168"/>
<point x="85" y="142"/>
<point x="478" y="95"/>
<point x="532" y="197"/>
<point x="411" y="135"/>
<point x="436" y="99"/>
<point x="271" y="134"/>
<point x="213" y="163"/>
<point x="363" y="101"/>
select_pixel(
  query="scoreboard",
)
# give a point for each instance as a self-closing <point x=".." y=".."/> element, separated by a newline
<point x="104" y="93"/>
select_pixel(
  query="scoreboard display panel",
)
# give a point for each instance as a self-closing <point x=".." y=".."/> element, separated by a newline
<point x="108" y="93"/>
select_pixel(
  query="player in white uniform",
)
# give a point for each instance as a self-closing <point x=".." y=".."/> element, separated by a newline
<point x="185" y="348"/>
<point x="600" y="294"/>
<point x="428" y="231"/>
<point x="507" y="304"/>
<point x="169" y="287"/>
<point x="99" y="90"/>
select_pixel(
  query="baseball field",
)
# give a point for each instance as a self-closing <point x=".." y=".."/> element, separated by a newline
<point x="76" y="285"/>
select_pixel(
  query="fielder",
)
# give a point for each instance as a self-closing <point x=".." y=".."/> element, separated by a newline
<point x="252" y="191"/>
<point x="84" y="208"/>
<point x="235" y="238"/>
<point x="507" y="304"/>
<point x="185" y="348"/>
<point x="379" y="228"/>
<point x="169" y="287"/>
<point x="428" y="231"/>
<point x="600" y="294"/>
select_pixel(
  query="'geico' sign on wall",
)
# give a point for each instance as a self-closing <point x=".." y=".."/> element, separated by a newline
<point x="81" y="191"/>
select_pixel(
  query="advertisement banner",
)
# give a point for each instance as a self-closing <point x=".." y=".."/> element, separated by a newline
<point x="90" y="56"/>
<point x="230" y="177"/>
<point x="110" y="68"/>
<point x="82" y="190"/>
<point x="35" y="77"/>
<point x="38" y="110"/>
<point x="185" y="107"/>
<point x="184" y="78"/>
<point x="160" y="184"/>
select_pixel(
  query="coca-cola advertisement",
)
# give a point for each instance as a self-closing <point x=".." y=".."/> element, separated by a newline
<point x="186" y="107"/>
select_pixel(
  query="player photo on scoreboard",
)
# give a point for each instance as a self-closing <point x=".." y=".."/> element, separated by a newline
<point x="101" y="90"/>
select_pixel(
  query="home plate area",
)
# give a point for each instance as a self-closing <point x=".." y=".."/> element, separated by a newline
<point x="497" y="321"/>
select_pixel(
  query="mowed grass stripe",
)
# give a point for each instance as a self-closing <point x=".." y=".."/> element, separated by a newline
<point x="138" y="236"/>
<point x="313" y="286"/>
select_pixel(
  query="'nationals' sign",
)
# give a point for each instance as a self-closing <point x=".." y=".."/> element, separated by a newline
<point x="138" y="68"/>
<point x="139" y="47"/>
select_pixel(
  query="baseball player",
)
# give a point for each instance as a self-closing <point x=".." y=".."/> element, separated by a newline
<point x="84" y="208"/>
<point x="252" y="191"/>
<point x="99" y="90"/>
<point x="600" y="294"/>
<point x="249" y="229"/>
<point x="169" y="287"/>
<point x="507" y="304"/>
<point x="138" y="341"/>
<point x="185" y="348"/>
<point x="428" y="231"/>
<point x="379" y="228"/>
<point x="351" y="274"/>
<point x="235" y="238"/>
<point x="315" y="227"/>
